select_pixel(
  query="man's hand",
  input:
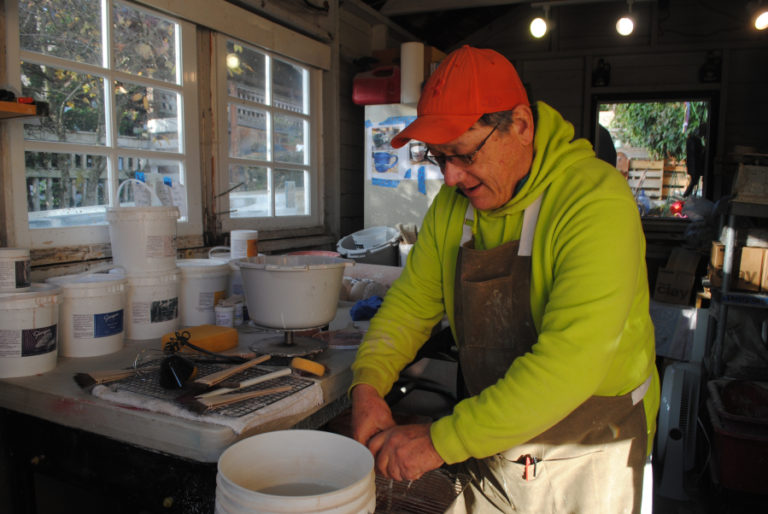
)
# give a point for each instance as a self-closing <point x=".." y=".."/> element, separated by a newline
<point x="405" y="452"/>
<point x="370" y="413"/>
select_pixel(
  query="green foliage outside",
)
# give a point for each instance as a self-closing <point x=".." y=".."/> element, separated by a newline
<point x="658" y="127"/>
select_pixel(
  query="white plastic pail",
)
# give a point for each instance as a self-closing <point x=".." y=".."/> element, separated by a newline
<point x="29" y="330"/>
<point x="152" y="304"/>
<point x="14" y="270"/>
<point x="296" y="471"/>
<point x="143" y="238"/>
<point x="244" y="243"/>
<point x="203" y="285"/>
<point x="92" y="313"/>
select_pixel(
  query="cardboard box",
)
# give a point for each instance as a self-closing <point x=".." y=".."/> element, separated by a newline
<point x="750" y="269"/>
<point x="674" y="282"/>
<point x="717" y="255"/>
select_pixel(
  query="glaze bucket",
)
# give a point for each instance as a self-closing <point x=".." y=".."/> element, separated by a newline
<point x="92" y="313"/>
<point x="152" y="304"/>
<point x="14" y="270"/>
<point x="296" y="471"/>
<point x="203" y="284"/>
<point x="29" y="330"/>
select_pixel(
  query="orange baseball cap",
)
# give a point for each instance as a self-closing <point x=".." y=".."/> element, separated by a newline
<point x="468" y="83"/>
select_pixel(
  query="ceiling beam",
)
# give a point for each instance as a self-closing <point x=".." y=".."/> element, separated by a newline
<point x="401" y="7"/>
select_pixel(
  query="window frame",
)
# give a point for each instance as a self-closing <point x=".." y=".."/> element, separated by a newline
<point x="315" y="170"/>
<point x="19" y="232"/>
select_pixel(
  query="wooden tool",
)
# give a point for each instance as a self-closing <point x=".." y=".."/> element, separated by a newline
<point x="208" y="381"/>
<point x="246" y="383"/>
<point x="202" y="405"/>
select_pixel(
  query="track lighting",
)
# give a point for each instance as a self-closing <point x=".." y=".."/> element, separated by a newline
<point x="626" y="24"/>
<point x="539" y="25"/>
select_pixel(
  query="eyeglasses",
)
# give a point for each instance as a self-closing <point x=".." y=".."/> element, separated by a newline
<point x="464" y="160"/>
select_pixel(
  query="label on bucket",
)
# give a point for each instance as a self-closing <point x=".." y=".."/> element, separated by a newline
<point x="87" y="326"/>
<point x="14" y="274"/>
<point x="156" y="311"/>
<point x="27" y="342"/>
<point x="160" y="246"/>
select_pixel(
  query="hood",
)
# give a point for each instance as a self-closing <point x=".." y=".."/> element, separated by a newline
<point x="555" y="151"/>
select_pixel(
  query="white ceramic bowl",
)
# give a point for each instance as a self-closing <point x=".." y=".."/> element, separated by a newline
<point x="291" y="292"/>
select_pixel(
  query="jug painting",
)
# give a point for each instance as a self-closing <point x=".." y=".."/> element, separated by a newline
<point x="383" y="161"/>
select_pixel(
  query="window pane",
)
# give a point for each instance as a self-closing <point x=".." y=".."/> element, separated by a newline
<point x="76" y="102"/>
<point x="65" y="189"/>
<point x="145" y="45"/>
<point x="159" y="174"/>
<point x="251" y="199"/>
<point x="247" y="132"/>
<point x="245" y="73"/>
<point x="69" y="29"/>
<point x="147" y="117"/>
<point x="290" y="193"/>
<point x="289" y="139"/>
<point x="288" y="86"/>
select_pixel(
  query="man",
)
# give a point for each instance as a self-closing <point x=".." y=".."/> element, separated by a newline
<point x="534" y="250"/>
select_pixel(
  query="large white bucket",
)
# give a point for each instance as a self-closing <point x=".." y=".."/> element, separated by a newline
<point x="152" y="304"/>
<point x="14" y="270"/>
<point x="296" y="471"/>
<point x="92" y="313"/>
<point x="203" y="284"/>
<point x="143" y="238"/>
<point x="374" y="245"/>
<point x="29" y="330"/>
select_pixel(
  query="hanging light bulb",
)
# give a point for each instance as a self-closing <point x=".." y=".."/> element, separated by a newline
<point x="539" y="25"/>
<point x="233" y="61"/>
<point x="761" y="19"/>
<point x="626" y="24"/>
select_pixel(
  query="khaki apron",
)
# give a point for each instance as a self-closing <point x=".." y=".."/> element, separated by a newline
<point x="589" y="462"/>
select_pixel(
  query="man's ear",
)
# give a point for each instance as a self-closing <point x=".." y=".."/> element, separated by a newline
<point x="522" y="123"/>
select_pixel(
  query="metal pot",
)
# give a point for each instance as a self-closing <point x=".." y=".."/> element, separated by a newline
<point x="291" y="292"/>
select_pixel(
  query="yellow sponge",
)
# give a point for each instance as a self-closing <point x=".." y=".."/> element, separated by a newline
<point x="208" y="337"/>
<point x="308" y="366"/>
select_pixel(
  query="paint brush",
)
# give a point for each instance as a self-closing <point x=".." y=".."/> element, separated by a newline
<point x="205" y="383"/>
<point x="91" y="379"/>
<point x="203" y="405"/>
<point x="246" y="383"/>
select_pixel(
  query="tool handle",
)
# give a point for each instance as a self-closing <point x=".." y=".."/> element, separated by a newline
<point x="219" y="376"/>
<point x="247" y="383"/>
<point x="228" y="399"/>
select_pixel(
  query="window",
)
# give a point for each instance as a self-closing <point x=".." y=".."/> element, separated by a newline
<point x="662" y="146"/>
<point x="119" y="81"/>
<point x="268" y="155"/>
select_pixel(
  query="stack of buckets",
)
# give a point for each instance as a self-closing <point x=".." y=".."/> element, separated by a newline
<point x="144" y="245"/>
<point x="29" y="318"/>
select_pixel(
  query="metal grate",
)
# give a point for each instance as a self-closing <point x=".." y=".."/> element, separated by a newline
<point x="434" y="493"/>
<point x="148" y="384"/>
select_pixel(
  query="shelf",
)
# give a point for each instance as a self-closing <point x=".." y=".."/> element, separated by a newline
<point x="757" y="210"/>
<point x="741" y="298"/>
<point x="16" y="110"/>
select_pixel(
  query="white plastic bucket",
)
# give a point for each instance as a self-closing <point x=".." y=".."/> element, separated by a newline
<point x="29" y="330"/>
<point x="296" y="471"/>
<point x="375" y="245"/>
<point x="152" y="304"/>
<point x="14" y="270"/>
<point x="91" y="313"/>
<point x="244" y="243"/>
<point x="143" y="238"/>
<point x="203" y="285"/>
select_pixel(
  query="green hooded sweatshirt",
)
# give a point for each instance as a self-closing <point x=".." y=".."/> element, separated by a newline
<point x="589" y="299"/>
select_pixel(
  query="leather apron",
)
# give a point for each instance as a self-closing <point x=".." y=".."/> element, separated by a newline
<point x="592" y="460"/>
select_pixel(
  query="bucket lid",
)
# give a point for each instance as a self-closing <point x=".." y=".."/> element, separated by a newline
<point x="187" y="265"/>
<point x="292" y="262"/>
<point x="36" y="290"/>
<point x="14" y="252"/>
<point x="83" y="280"/>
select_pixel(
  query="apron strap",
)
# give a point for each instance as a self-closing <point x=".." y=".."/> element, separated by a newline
<point x="639" y="392"/>
<point x="530" y="217"/>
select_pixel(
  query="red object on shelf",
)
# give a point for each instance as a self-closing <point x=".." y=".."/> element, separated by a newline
<point x="378" y="86"/>
<point x="25" y="100"/>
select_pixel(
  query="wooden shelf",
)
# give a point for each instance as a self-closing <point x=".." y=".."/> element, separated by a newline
<point x="16" y="110"/>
